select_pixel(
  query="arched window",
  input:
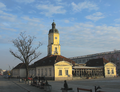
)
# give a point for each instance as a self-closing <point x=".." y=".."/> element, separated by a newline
<point x="55" y="49"/>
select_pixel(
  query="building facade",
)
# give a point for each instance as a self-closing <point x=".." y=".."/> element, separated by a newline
<point x="112" y="56"/>
<point x="95" y="68"/>
<point x="110" y="70"/>
<point x="19" y="70"/>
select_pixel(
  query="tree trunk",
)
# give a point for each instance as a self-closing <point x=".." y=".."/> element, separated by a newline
<point x="26" y="72"/>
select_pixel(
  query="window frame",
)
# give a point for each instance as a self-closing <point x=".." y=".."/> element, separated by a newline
<point x="66" y="72"/>
<point x="60" y="72"/>
<point x="112" y="71"/>
<point x="108" y="71"/>
<point x="38" y="72"/>
<point x="45" y="71"/>
<point x="41" y="72"/>
<point x="50" y="72"/>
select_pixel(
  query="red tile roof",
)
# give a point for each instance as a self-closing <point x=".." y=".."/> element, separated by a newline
<point x="97" y="62"/>
<point x="51" y="60"/>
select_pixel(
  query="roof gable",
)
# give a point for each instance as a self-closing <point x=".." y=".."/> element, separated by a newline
<point x="63" y="63"/>
<point x="110" y="64"/>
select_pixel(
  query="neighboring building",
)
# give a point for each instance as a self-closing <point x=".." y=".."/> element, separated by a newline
<point x="110" y="70"/>
<point x="19" y="70"/>
<point x="1" y="72"/>
<point x="96" y="68"/>
<point x="112" y="56"/>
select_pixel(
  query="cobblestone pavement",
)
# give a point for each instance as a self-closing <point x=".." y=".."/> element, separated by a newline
<point x="107" y="85"/>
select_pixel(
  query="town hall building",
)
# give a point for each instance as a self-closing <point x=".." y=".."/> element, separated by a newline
<point x="54" y="66"/>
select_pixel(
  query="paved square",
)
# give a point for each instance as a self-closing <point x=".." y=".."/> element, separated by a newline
<point x="107" y="85"/>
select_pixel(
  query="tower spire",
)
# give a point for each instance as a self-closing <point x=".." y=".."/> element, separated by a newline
<point x="53" y="25"/>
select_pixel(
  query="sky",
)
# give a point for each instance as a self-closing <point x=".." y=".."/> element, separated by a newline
<point x="85" y="26"/>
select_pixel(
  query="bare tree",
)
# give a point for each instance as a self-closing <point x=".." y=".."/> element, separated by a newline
<point x="25" y="50"/>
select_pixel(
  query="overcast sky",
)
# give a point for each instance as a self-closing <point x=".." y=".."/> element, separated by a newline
<point x="85" y="26"/>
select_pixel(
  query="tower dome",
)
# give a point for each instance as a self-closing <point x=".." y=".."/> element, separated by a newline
<point x="53" y="30"/>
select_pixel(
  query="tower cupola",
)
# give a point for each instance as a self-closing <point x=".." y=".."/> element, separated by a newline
<point x="53" y="30"/>
<point x="53" y="41"/>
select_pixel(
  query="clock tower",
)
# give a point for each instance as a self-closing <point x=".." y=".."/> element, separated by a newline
<point x="53" y="41"/>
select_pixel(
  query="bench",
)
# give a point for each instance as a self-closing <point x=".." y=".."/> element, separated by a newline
<point x="90" y="90"/>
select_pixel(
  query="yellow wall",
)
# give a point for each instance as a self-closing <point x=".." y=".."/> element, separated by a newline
<point x="63" y="65"/>
<point x="53" y="43"/>
<point x="108" y="68"/>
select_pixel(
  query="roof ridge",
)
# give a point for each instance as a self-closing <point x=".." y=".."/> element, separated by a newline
<point x="41" y="59"/>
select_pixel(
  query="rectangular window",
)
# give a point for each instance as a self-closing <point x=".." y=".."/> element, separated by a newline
<point x="49" y="71"/>
<point x="55" y="49"/>
<point x="31" y="71"/>
<point x="45" y="71"/>
<point x="108" y="71"/>
<point x="60" y="72"/>
<point x="117" y="59"/>
<point x="41" y="72"/>
<point x="112" y="71"/>
<point x="66" y="72"/>
<point x="38" y="72"/>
